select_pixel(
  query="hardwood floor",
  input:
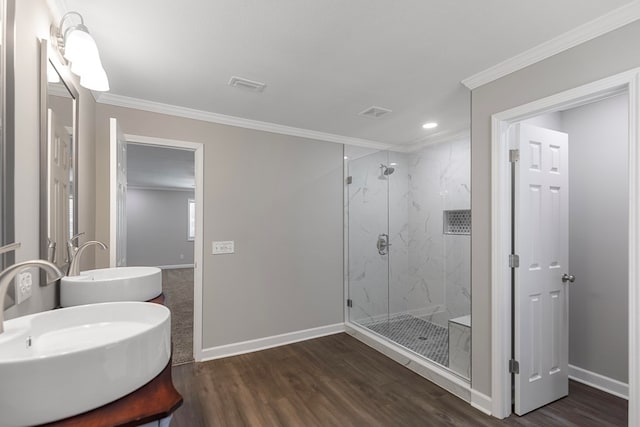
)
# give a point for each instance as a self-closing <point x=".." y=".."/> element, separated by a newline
<point x="339" y="381"/>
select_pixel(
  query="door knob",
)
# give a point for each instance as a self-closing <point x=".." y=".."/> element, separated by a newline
<point x="568" y="278"/>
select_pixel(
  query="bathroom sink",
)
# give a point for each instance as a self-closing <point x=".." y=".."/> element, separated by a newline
<point x="61" y="363"/>
<point x="111" y="284"/>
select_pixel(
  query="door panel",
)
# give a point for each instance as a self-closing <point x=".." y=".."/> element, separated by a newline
<point x="59" y="153"/>
<point x="541" y="240"/>
<point x="535" y="335"/>
<point x="118" y="212"/>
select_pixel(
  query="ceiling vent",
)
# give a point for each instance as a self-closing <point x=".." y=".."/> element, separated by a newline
<point x="246" y="84"/>
<point x="374" y="112"/>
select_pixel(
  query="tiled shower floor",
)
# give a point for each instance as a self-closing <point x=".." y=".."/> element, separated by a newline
<point x="423" y="337"/>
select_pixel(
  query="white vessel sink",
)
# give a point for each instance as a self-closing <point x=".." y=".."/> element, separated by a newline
<point x="111" y="284"/>
<point x="61" y="363"/>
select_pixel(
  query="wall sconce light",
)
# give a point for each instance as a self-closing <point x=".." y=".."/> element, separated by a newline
<point x="77" y="46"/>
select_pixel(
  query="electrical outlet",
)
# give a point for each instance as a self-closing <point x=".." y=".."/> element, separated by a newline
<point x="23" y="283"/>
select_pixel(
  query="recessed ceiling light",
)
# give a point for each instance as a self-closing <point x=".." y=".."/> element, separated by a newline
<point x="393" y="164"/>
<point x="346" y="157"/>
<point x="430" y="125"/>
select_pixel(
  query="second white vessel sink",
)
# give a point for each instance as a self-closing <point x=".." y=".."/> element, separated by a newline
<point x="111" y="284"/>
<point x="61" y="363"/>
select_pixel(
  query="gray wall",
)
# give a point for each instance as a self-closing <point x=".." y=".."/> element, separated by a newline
<point x="280" y="198"/>
<point x="157" y="222"/>
<point x="33" y="20"/>
<point x="606" y="55"/>
<point x="598" y="236"/>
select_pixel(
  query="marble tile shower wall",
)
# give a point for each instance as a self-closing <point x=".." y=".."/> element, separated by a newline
<point x="439" y="264"/>
<point x="399" y="235"/>
<point x="427" y="273"/>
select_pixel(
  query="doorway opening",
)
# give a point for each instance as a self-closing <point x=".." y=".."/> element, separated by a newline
<point x="160" y="217"/>
<point x="513" y="341"/>
<point x="157" y="221"/>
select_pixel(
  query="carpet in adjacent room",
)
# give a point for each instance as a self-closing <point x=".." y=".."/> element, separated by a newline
<point x="177" y="286"/>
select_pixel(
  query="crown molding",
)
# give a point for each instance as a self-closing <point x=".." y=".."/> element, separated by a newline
<point x="608" y="22"/>
<point x="206" y="116"/>
<point x="438" y="138"/>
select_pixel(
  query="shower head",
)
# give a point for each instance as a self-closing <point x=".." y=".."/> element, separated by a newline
<point x="385" y="170"/>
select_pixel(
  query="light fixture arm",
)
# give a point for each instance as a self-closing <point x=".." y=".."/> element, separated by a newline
<point x="67" y="15"/>
<point x="59" y="33"/>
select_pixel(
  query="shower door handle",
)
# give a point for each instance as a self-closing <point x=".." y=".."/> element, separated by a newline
<point x="383" y="244"/>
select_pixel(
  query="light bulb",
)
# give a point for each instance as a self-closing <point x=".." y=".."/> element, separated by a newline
<point x="96" y="79"/>
<point x="78" y="44"/>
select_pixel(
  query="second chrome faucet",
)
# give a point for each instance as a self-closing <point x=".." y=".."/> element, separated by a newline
<point x="76" y="252"/>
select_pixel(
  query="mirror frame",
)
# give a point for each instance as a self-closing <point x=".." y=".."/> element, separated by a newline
<point x="7" y="139"/>
<point x="65" y="77"/>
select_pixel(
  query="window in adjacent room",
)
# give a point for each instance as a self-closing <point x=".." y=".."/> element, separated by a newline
<point x="191" y="227"/>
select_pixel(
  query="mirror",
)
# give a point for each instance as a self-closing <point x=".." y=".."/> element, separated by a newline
<point x="7" y="235"/>
<point x="58" y="148"/>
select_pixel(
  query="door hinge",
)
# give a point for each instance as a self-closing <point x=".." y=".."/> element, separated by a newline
<point x="514" y="261"/>
<point x="514" y="156"/>
<point x="349" y="302"/>
<point x="349" y="179"/>
<point x="514" y="366"/>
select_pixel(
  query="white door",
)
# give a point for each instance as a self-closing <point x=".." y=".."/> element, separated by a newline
<point x="59" y="159"/>
<point x="541" y="314"/>
<point x="118" y="199"/>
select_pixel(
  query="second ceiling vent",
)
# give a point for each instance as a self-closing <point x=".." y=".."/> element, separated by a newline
<point x="246" y="84"/>
<point x="375" y="112"/>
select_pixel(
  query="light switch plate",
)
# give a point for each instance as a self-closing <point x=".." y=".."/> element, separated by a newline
<point x="223" y="247"/>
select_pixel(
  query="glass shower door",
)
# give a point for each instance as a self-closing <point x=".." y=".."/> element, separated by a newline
<point x="368" y="212"/>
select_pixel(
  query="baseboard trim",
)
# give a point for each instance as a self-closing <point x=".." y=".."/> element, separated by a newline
<point x="481" y="401"/>
<point x="168" y="267"/>
<point x="269" y="342"/>
<point x="606" y="384"/>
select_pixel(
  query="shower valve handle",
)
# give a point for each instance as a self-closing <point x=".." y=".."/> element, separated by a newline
<point x="383" y="244"/>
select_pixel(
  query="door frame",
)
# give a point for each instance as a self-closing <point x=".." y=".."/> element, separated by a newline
<point x="198" y="149"/>
<point x="629" y="82"/>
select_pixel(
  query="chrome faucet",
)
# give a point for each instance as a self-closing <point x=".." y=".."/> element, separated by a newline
<point x="74" y="265"/>
<point x="72" y="248"/>
<point x="7" y="275"/>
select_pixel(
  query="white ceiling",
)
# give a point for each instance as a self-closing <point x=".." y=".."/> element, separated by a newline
<point x="160" y="167"/>
<point x="323" y="61"/>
